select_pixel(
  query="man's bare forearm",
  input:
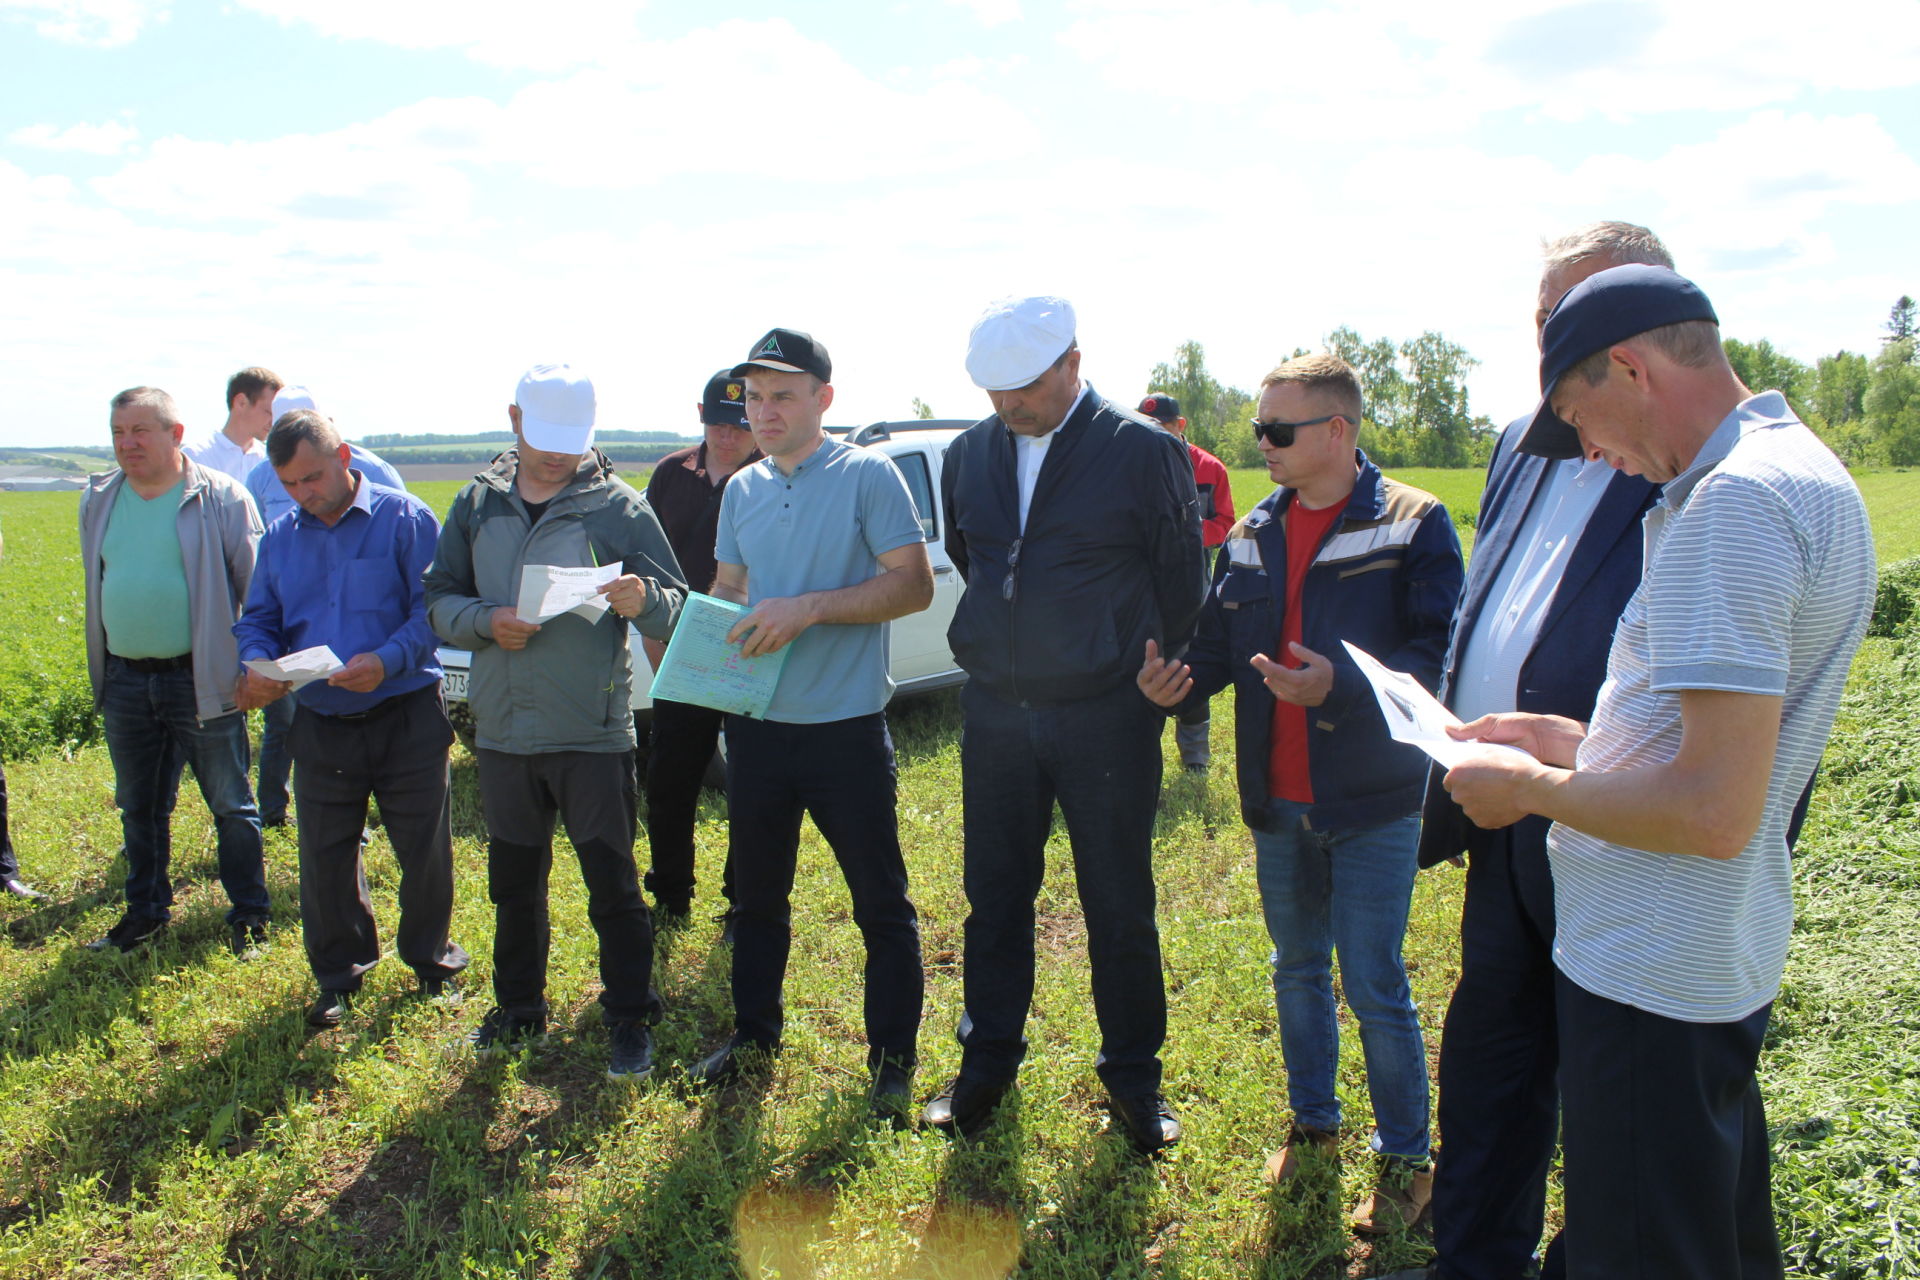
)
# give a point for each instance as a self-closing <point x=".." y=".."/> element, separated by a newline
<point x="894" y="593"/>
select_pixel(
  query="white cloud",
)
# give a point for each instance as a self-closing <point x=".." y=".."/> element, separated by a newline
<point x="106" y="139"/>
<point x="498" y="32"/>
<point x="991" y="13"/>
<point x="93" y="22"/>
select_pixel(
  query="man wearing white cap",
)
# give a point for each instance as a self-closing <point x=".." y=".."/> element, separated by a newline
<point x="1076" y="526"/>
<point x="270" y="497"/>
<point x="236" y="447"/>
<point x="553" y="732"/>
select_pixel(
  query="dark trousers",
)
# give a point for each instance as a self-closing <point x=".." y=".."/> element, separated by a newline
<point x="841" y="773"/>
<point x="9" y="863"/>
<point x="1499" y="1054"/>
<point x="396" y="754"/>
<point x="592" y="793"/>
<point x="1100" y="759"/>
<point x="276" y="758"/>
<point x="1666" y="1145"/>
<point x="683" y="740"/>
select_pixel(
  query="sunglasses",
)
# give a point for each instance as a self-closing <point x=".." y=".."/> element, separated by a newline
<point x="1280" y="434"/>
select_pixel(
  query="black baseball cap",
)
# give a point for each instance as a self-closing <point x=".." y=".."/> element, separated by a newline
<point x="788" y="351"/>
<point x="1607" y="307"/>
<point x="1162" y="408"/>
<point x="724" y="402"/>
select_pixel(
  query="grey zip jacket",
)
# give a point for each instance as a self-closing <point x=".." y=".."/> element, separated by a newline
<point x="570" y="689"/>
<point x="219" y="530"/>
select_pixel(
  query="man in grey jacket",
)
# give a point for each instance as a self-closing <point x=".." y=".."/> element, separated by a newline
<point x="167" y="546"/>
<point x="553" y="732"/>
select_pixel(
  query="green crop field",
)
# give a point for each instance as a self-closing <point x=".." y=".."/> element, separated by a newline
<point x="170" y="1113"/>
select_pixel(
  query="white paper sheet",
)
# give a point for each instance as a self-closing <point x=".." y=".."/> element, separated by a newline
<point x="1415" y="716"/>
<point x="549" y="590"/>
<point x="301" y="668"/>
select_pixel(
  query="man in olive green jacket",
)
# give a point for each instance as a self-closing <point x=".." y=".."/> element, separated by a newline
<point x="553" y="731"/>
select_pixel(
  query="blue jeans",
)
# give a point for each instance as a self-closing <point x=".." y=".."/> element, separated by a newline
<point x="276" y="761"/>
<point x="153" y="732"/>
<point x="1345" y="891"/>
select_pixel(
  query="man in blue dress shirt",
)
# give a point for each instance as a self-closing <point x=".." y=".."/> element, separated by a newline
<point x="344" y="571"/>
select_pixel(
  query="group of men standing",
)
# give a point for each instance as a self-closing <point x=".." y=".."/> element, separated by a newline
<point x="1627" y="891"/>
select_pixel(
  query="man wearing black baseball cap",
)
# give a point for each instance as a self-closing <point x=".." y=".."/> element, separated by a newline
<point x="1191" y="728"/>
<point x="1671" y="810"/>
<point x="685" y="493"/>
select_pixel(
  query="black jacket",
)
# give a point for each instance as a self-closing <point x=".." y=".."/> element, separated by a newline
<point x="1111" y="554"/>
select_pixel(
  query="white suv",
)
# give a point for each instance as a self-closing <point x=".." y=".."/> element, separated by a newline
<point x="920" y="660"/>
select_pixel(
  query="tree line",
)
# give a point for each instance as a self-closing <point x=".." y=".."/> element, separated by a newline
<point x="1418" y="413"/>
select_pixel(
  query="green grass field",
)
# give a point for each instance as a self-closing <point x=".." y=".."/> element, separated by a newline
<point x="170" y="1114"/>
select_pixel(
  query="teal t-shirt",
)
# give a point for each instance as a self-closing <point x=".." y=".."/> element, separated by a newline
<point x="143" y="581"/>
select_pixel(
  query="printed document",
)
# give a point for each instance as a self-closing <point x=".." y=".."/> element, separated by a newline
<point x="700" y="667"/>
<point x="300" y="668"/>
<point x="549" y="590"/>
<point x="1415" y="716"/>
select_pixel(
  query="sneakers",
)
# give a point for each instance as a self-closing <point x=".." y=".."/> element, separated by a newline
<point x="500" y="1031"/>
<point x="735" y="1062"/>
<point x="1302" y="1144"/>
<point x="330" y="1010"/>
<point x="632" y="1051"/>
<point x="249" y="936"/>
<point x="1399" y="1198"/>
<point x="129" y="935"/>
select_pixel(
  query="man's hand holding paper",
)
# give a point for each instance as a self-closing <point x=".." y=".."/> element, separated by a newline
<point x="549" y="590"/>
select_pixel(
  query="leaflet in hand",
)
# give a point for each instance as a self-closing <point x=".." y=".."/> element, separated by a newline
<point x="702" y="668"/>
<point x="549" y="590"/>
<point x="1415" y="716"/>
<point x="299" y="668"/>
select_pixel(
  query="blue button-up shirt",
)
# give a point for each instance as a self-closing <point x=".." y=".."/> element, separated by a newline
<point x="273" y="501"/>
<point x="355" y="587"/>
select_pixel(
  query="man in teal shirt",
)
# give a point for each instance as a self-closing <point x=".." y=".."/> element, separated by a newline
<point x="167" y="546"/>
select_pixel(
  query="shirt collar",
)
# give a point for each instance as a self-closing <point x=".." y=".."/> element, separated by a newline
<point x="1768" y="409"/>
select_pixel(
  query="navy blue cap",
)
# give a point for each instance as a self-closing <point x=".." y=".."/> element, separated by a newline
<point x="1607" y="307"/>
<point x="1161" y="407"/>
<point x="724" y="403"/>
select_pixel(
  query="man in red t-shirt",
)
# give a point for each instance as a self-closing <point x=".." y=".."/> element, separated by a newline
<point x="1216" y="517"/>
<point x="1337" y="553"/>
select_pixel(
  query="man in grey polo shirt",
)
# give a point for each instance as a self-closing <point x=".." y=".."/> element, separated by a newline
<point x="1671" y="810"/>
<point x="821" y="540"/>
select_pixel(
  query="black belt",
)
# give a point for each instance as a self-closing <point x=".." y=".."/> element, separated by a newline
<point x="382" y="707"/>
<point x="157" y="666"/>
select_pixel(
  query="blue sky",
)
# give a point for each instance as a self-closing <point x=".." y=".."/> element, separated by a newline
<point x="402" y="204"/>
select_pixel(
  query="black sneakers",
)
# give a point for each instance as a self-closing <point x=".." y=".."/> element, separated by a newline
<point x="249" y="936"/>
<point x="129" y="935"/>
<point x="500" y="1031"/>
<point x="632" y="1056"/>
<point x="330" y="1010"/>
<point x="441" y="991"/>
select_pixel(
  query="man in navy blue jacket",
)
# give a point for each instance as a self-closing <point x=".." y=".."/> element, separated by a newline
<point x="1337" y="553"/>
<point x="1557" y="557"/>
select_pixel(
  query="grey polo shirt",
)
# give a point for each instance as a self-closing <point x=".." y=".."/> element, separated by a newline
<point x="1759" y="579"/>
<point x="821" y="528"/>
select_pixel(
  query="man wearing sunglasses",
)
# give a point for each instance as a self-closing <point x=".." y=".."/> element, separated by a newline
<point x="1077" y="529"/>
<point x="1337" y="553"/>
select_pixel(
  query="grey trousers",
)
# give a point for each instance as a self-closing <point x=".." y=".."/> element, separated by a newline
<point x="397" y="754"/>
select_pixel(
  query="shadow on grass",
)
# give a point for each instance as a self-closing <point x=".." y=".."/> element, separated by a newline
<point x="1304" y="1233"/>
<point x="1100" y="1225"/>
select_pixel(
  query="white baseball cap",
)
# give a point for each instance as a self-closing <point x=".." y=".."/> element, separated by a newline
<point x="287" y="399"/>
<point x="556" y="408"/>
<point x="1017" y="339"/>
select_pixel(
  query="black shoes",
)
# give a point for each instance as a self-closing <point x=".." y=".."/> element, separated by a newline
<point x="249" y="936"/>
<point x="632" y="1051"/>
<point x="965" y="1107"/>
<point x="442" y="991"/>
<point x="330" y="1010"/>
<point x="1148" y="1120"/>
<point x="500" y="1031"/>
<point x="672" y="913"/>
<point x="890" y="1093"/>
<point x="129" y="935"/>
<point x="734" y="1062"/>
<point x="726" y="921"/>
<point x="20" y="889"/>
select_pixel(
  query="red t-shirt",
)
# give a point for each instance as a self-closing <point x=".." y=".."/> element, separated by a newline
<point x="1288" y="777"/>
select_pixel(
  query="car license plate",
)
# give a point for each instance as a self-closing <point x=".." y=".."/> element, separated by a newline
<point x="455" y="686"/>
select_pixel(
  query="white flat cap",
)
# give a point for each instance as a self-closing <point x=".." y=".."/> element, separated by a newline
<point x="1018" y="339"/>
<point x="287" y="399"/>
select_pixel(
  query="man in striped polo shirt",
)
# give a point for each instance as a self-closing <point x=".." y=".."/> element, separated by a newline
<point x="1671" y="810"/>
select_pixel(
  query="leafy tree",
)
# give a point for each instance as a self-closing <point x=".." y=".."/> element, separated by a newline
<point x="1892" y="402"/>
<point x="1900" y="321"/>
<point x="921" y="409"/>
<point x="1838" y="399"/>
<point x="1763" y="367"/>
<point x="1216" y="414"/>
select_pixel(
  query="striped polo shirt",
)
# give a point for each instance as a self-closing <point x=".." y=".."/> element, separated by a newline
<point x="1759" y="579"/>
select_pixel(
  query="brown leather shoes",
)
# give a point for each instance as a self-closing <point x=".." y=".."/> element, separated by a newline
<point x="1399" y="1198"/>
<point x="1302" y="1143"/>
